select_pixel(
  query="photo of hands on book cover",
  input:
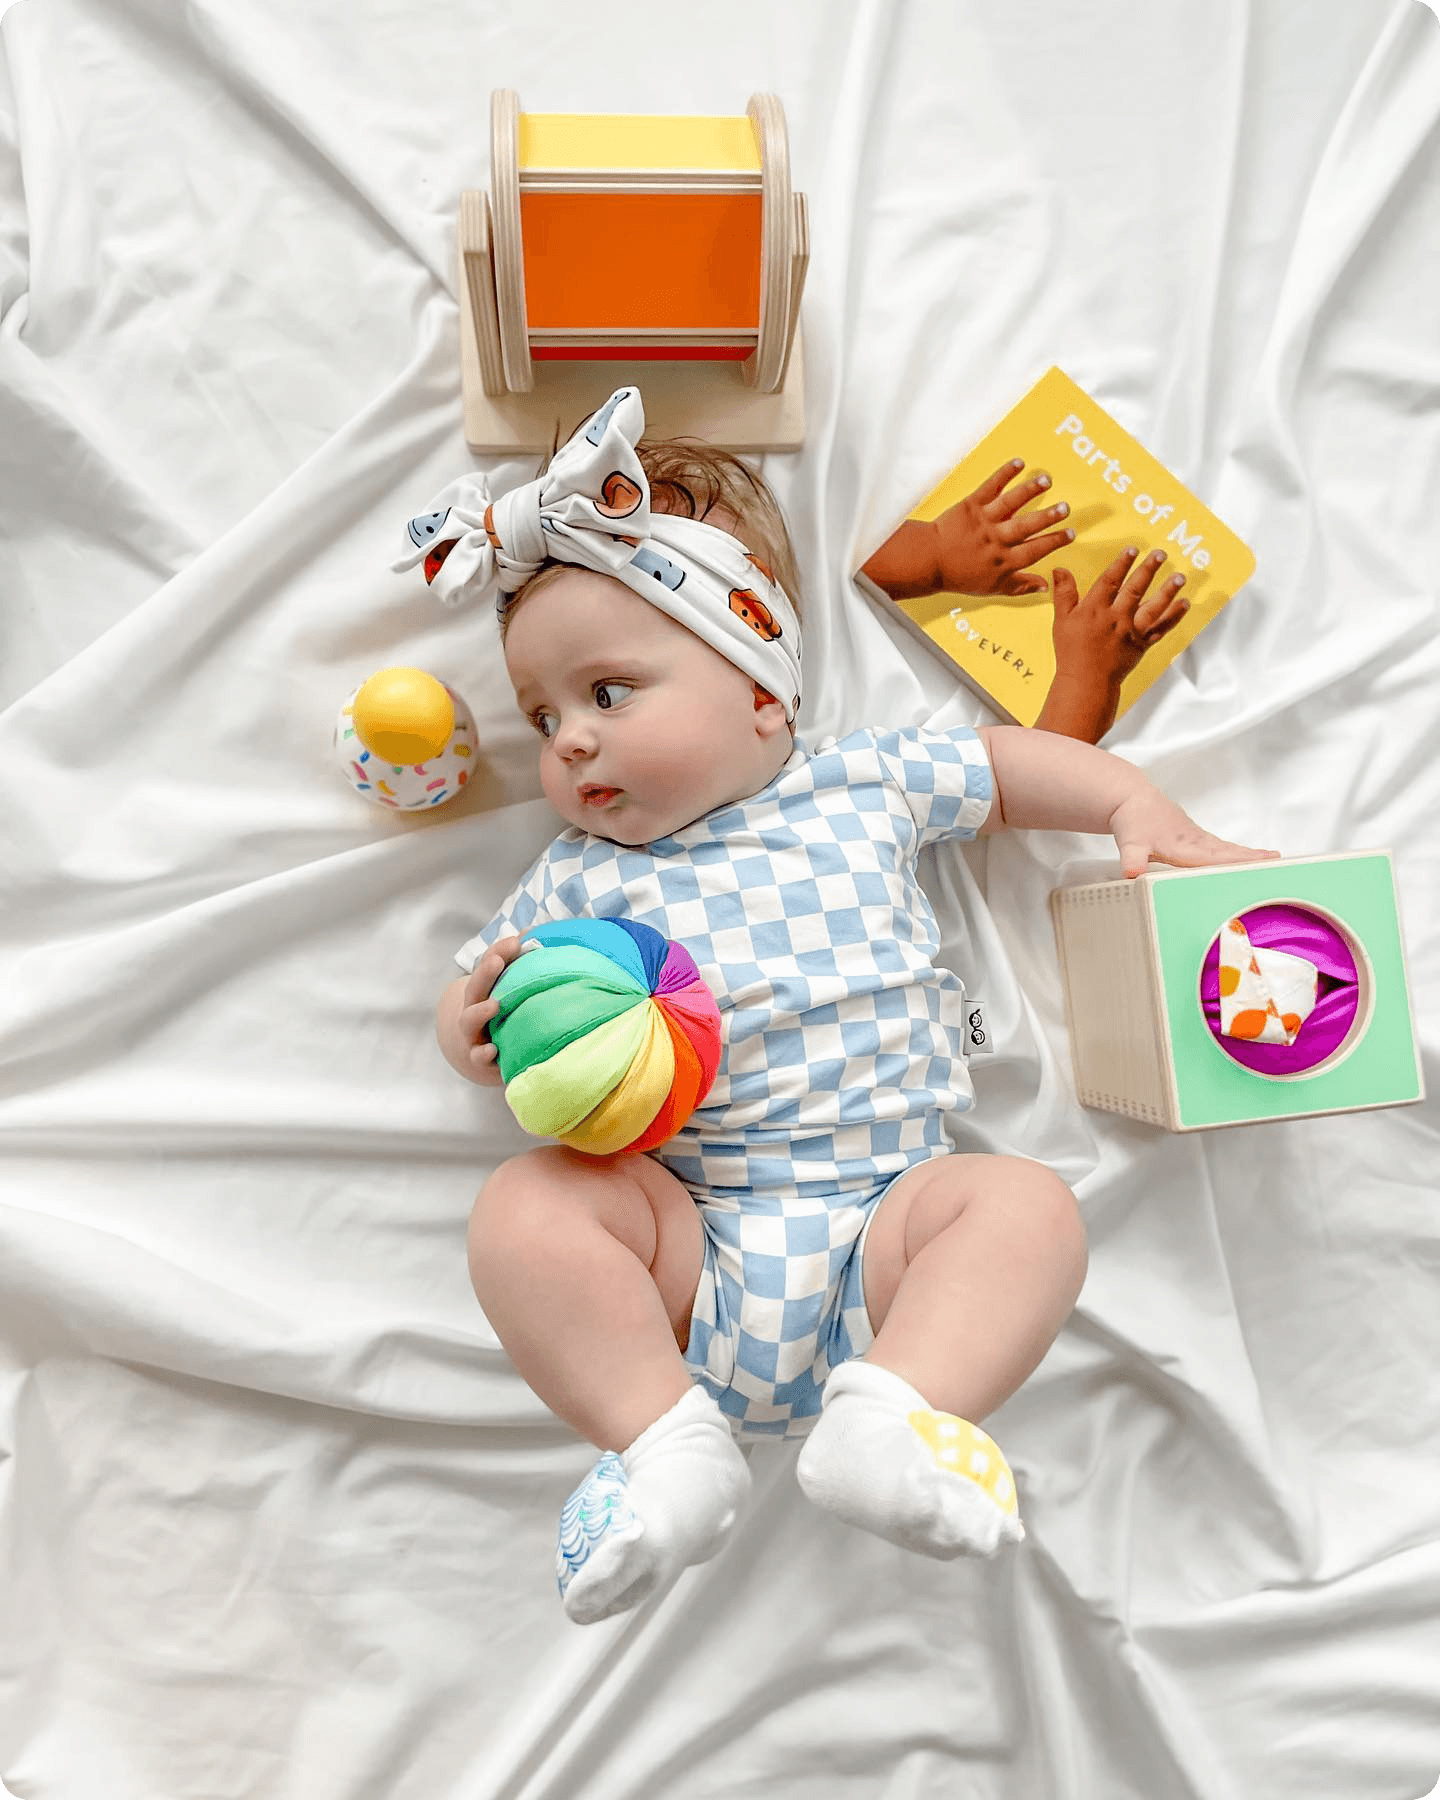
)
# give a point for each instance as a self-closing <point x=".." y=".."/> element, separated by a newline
<point x="1060" y="615"/>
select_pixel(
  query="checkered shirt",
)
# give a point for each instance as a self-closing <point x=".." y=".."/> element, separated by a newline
<point x="842" y="1040"/>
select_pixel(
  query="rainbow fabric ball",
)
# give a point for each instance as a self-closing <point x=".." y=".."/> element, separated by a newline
<point x="608" y="1039"/>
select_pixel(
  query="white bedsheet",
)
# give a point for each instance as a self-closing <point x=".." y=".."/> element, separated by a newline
<point x="276" y="1517"/>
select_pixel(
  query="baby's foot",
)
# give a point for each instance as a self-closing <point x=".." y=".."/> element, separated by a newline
<point x="880" y="1458"/>
<point x="600" y="1558"/>
<point x="639" y="1518"/>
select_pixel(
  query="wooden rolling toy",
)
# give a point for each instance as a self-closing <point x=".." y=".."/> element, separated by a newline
<point x="670" y="251"/>
<point x="1223" y="996"/>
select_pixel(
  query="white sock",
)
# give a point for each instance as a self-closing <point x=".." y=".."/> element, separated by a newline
<point x="639" y="1518"/>
<point x="881" y="1459"/>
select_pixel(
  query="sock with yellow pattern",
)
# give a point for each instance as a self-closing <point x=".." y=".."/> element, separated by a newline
<point x="879" y="1457"/>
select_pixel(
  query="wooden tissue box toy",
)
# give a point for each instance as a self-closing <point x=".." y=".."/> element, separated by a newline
<point x="1223" y="996"/>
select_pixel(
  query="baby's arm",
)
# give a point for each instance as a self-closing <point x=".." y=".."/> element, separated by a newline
<point x="465" y="1012"/>
<point x="1052" y="783"/>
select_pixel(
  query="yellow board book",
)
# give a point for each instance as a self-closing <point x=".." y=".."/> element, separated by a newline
<point x="1118" y="496"/>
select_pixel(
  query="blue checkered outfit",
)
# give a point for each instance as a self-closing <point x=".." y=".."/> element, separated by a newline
<point x="842" y="1040"/>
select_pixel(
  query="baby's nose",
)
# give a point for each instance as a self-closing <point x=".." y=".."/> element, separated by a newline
<point x="573" y="739"/>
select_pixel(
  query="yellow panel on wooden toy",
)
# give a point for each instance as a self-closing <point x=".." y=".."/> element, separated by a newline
<point x="567" y="143"/>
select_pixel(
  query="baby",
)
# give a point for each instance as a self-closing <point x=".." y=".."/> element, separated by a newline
<point x="807" y="1257"/>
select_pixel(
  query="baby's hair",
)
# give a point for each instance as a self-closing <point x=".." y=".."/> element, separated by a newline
<point x="689" y="477"/>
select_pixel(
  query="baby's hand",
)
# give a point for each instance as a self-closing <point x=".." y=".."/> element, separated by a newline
<point x="1100" y="639"/>
<point x="477" y="1009"/>
<point x="984" y="542"/>
<point x="1147" y="826"/>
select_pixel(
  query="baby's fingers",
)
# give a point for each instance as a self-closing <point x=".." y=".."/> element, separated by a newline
<point x="1033" y="549"/>
<point x="1198" y="849"/>
<point x="1161" y="612"/>
<point x="490" y="968"/>
<point x="482" y="978"/>
<point x="474" y="1020"/>
<point x="1006" y="505"/>
<point x="992" y="485"/>
<point x="1134" y="856"/>
<point x="1138" y="580"/>
<point x="1218" y="851"/>
<point x="484" y="1060"/>
<point x="1108" y="582"/>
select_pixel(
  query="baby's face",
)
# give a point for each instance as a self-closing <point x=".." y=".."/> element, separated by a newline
<point x="645" y="727"/>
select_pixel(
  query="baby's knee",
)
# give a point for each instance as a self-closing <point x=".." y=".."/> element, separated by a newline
<point x="549" y="1190"/>
<point x="514" y="1215"/>
<point x="1061" y="1222"/>
<point x="521" y="1188"/>
<point x="531" y="1172"/>
<point x="1053" y="1214"/>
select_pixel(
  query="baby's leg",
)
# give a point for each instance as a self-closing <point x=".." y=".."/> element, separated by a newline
<point x="587" y="1268"/>
<point x="972" y="1264"/>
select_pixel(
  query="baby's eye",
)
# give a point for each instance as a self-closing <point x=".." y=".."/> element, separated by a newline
<point x="611" y="693"/>
<point x="544" y="723"/>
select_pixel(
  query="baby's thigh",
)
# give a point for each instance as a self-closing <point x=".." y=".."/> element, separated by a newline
<point x="1004" y="1198"/>
<point x="679" y="1256"/>
<point x="539" y="1194"/>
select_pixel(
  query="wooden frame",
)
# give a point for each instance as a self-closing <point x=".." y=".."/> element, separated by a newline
<point x="514" y="402"/>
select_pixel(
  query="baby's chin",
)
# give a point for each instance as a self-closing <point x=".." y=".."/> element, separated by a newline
<point x="634" y="826"/>
<point x="629" y="822"/>
<point x="635" y="837"/>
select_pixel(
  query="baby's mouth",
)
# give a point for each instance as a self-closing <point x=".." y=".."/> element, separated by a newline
<point x="592" y="795"/>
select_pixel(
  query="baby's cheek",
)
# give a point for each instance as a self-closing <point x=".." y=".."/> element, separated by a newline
<point x="556" y="787"/>
<point x="679" y="768"/>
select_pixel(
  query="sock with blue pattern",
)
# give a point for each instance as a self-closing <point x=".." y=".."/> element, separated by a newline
<point x="640" y="1517"/>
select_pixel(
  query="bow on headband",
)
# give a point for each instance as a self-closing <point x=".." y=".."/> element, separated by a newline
<point x="591" y="507"/>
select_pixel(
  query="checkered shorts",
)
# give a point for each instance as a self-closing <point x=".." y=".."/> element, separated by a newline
<point x="781" y="1300"/>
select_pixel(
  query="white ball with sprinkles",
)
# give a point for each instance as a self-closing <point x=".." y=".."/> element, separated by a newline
<point x="405" y="740"/>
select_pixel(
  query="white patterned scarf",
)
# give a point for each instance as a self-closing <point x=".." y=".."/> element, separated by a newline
<point x="591" y="507"/>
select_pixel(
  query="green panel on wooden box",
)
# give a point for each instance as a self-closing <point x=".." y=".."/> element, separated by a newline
<point x="1378" y="1069"/>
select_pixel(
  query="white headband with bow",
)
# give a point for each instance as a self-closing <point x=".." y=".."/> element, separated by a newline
<point x="591" y="507"/>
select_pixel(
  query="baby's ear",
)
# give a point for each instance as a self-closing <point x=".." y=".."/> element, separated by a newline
<point x="770" y="714"/>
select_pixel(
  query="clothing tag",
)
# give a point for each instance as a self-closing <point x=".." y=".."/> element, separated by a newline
<point x="977" y="1032"/>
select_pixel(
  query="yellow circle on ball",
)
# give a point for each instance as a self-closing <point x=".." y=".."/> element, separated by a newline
<point x="404" y="716"/>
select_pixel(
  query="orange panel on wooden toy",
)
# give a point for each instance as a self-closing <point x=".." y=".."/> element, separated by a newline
<point x="642" y="353"/>
<point x="642" y="262"/>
